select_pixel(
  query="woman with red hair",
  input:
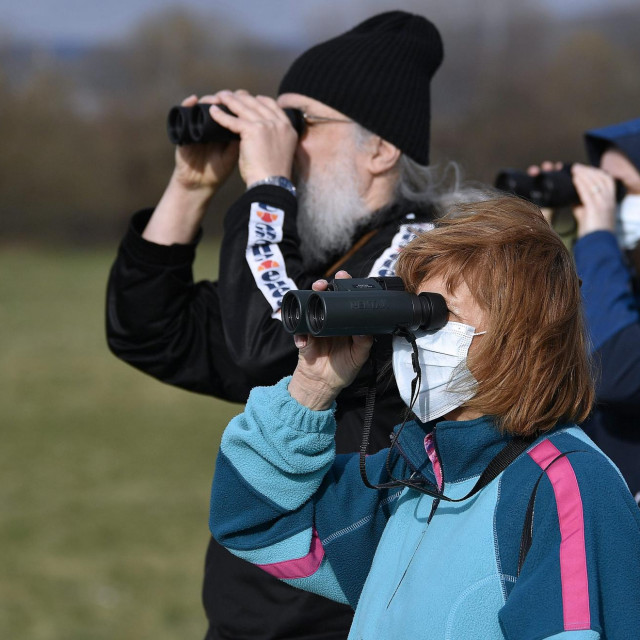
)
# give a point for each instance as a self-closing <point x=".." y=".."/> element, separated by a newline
<point x="491" y="515"/>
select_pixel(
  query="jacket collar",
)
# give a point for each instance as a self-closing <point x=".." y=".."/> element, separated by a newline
<point x="464" y="447"/>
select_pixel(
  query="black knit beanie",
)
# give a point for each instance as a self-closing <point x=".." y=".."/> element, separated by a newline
<point x="377" y="74"/>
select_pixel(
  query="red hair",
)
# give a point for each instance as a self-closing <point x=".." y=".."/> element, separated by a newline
<point x="532" y="366"/>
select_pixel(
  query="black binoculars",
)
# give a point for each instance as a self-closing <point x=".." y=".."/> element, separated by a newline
<point x="362" y="306"/>
<point x="194" y="125"/>
<point x="547" y="189"/>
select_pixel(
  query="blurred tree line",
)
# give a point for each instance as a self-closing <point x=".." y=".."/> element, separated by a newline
<point x="82" y="133"/>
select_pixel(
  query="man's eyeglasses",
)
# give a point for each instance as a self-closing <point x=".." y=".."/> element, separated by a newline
<point x="311" y="120"/>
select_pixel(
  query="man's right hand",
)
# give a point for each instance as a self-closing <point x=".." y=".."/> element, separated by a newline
<point x="267" y="145"/>
<point x="200" y="169"/>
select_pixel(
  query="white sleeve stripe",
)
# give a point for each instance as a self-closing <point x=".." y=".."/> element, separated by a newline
<point x="264" y="257"/>
<point x="385" y="265"/>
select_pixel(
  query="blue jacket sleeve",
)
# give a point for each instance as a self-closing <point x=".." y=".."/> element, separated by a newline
<point x="606" y="286"/>
<point x="613" y="320"/>
<point x="618" y="362"/>
<point x="281" y="500"/>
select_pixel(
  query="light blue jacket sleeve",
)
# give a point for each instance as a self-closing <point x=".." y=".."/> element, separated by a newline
<point x="283" y="448"/>
<point x="282" y="500"/>
<point x="272" y="459"/>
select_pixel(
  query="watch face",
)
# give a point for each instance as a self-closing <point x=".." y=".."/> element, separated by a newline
<point x="285" y="183"/>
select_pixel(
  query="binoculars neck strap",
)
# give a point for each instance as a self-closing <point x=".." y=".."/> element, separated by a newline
<point x="331" y="271"/>
<point x="370" y="401"/>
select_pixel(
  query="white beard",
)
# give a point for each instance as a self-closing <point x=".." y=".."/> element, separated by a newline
<point x="330" y="209"/>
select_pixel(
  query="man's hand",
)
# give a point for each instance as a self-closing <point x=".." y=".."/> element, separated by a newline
<point x="266" y="147"/>
<point x="200" y="169"/>
<point x="326" y="365"/>
<point x="267" y="138"/>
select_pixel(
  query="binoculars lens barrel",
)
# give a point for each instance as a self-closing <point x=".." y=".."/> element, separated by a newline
<point x="547" y="189"/>
<point x="347" y="313"/>
<point x="203" y="128"/>
<point x="178" y="125"/>
<point x="317" y="315"/>
<point x="194" y="125"/>
<point x="294" y="305"/>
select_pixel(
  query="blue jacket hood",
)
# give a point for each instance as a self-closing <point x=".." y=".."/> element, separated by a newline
<point x="625" y="136"/>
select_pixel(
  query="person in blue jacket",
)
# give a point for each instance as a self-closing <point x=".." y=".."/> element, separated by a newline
<point x="607" y="255"/>
<point x="491" y="514"/>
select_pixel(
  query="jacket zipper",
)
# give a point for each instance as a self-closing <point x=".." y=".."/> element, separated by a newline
<point x="434" y="506"/>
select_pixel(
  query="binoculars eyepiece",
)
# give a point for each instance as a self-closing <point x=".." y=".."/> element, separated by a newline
<point x="194" y="125"/>
<point x="362" y="306"/>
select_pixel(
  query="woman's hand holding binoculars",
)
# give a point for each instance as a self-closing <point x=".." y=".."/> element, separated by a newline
<point x="326" y="365"/>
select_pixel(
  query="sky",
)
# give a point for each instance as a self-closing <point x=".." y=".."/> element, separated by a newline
<point x="90" y="21"/>
<point x="93" y="21"/>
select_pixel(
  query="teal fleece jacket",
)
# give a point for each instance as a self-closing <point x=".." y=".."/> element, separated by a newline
<point x="416" y="567"/>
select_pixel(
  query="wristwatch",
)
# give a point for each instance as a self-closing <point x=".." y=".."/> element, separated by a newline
<point x="278" y="181"/>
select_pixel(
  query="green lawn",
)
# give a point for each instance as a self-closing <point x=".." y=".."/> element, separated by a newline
<point x="105" y="472"/>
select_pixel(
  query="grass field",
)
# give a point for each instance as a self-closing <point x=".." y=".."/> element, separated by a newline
<point x="105" y="472"/>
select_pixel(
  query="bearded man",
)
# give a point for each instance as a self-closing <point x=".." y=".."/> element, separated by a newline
<point x="347" y="193"/>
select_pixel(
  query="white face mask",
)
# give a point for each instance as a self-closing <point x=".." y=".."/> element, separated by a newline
<point x="446" y="381"/>
<point x="628" y="221"/>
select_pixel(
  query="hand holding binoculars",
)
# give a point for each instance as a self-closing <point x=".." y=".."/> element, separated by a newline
<point x="194" y="125"/>
<point x="547" y="188"/>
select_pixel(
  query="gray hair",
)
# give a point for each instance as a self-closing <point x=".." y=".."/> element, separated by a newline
<point x="430" y="185"/>
<point x="442" y="187"/>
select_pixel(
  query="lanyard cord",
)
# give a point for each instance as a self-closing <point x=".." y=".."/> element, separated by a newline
<point x="370" y="402"/>
<point x="496" y="466"/>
